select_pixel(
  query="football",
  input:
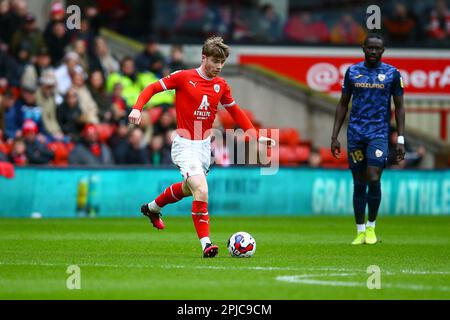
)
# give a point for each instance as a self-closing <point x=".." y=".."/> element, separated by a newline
<point x="242" y="245"/>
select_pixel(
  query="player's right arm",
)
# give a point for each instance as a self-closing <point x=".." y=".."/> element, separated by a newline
<point x="167" y="83"/>
<point x="339" y="116"/>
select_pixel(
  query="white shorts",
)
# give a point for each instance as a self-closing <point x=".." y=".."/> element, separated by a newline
<point x="192" y="157"/>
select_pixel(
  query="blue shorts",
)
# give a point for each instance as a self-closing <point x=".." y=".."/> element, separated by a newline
<point x="367" y="153"/>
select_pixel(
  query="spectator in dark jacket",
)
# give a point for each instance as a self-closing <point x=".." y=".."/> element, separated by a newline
<point x="90" y="151"/>
<point x="36" y="151"/>
<point x="56" y="41"/>
<point x="28" y="35"/>
<point x="9" y="70"/>
<point x="69" y="115"/>
<point x="132" y="152"/>
<point x="151" y="59"/>
<point x="8" y="115"/>
<point x="27" y="108"/>
<point x="6" y="21"/>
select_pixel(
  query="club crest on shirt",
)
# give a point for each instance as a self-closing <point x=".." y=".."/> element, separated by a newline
<point x="216" y="88"/>
<point x="381" y="76"/>
<point x="378" y="153"/>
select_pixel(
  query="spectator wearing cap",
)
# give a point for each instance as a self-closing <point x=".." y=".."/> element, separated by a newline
<point x="57" y="41"/>
<point x="151" y="59"/>
<point x="64" y="71"/>
<point x="46" y="98"/>
<point x="26" y="108"/>
<point x="34" y="71"/>
<point x="102" y="58"/>
<point x="57" y="14"/>
<point x="70" y="117"/>
<point x="90" y="151"/>
<point x="87" y="103"/>
<point x="28" y="36"/>
<point x="36" y="151"/>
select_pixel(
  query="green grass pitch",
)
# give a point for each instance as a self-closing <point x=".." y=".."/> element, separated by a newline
<point x="296" y="258"/>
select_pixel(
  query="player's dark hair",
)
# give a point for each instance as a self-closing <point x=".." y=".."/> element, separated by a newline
<point x="373" y="35"/>
<point x="214" y="47"/>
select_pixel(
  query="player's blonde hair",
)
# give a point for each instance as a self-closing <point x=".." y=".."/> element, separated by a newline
<point x="214" y="47"/>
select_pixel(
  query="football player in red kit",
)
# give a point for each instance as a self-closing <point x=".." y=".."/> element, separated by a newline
<point x="197" y="95"/>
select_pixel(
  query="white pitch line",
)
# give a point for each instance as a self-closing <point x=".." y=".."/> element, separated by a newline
<point x="256" y="268"/>
<point x="309" y="280"/>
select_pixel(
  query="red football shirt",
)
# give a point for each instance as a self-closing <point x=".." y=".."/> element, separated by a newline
<point x="196" y="100"/>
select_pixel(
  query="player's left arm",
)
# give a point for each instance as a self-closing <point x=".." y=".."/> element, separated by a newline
<point x="397" y="93"/>
<point x="241" y="118"/>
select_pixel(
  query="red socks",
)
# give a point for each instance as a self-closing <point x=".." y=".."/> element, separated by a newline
<point x="172" y="194"/>
<point x="201" y="218"/>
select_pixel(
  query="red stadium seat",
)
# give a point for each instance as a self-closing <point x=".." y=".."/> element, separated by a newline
<point x="105" y="131"/>
<point x="326" y="155"/>
<point x="61" y="152"/>
<point x="289" y="136"/>
<point x="302" y="153"/>
<point x="329" y="161"/>
<point x="287" y="155"/>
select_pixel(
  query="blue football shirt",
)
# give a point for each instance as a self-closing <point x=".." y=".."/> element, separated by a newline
<point x="371" y="89"/>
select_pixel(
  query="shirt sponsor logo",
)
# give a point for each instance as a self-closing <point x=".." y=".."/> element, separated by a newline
<point x="369" y="85"/>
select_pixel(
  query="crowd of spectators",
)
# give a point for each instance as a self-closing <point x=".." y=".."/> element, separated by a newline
<point x="303" y="22"/>
<point x="64" y="97"/>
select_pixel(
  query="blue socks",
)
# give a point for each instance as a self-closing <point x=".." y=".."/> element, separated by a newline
<point x="359" y="201"/>
<point x="374" y="199"/>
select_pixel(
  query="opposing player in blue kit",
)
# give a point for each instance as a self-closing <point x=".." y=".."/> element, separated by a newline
<point x="371" y="83"/>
